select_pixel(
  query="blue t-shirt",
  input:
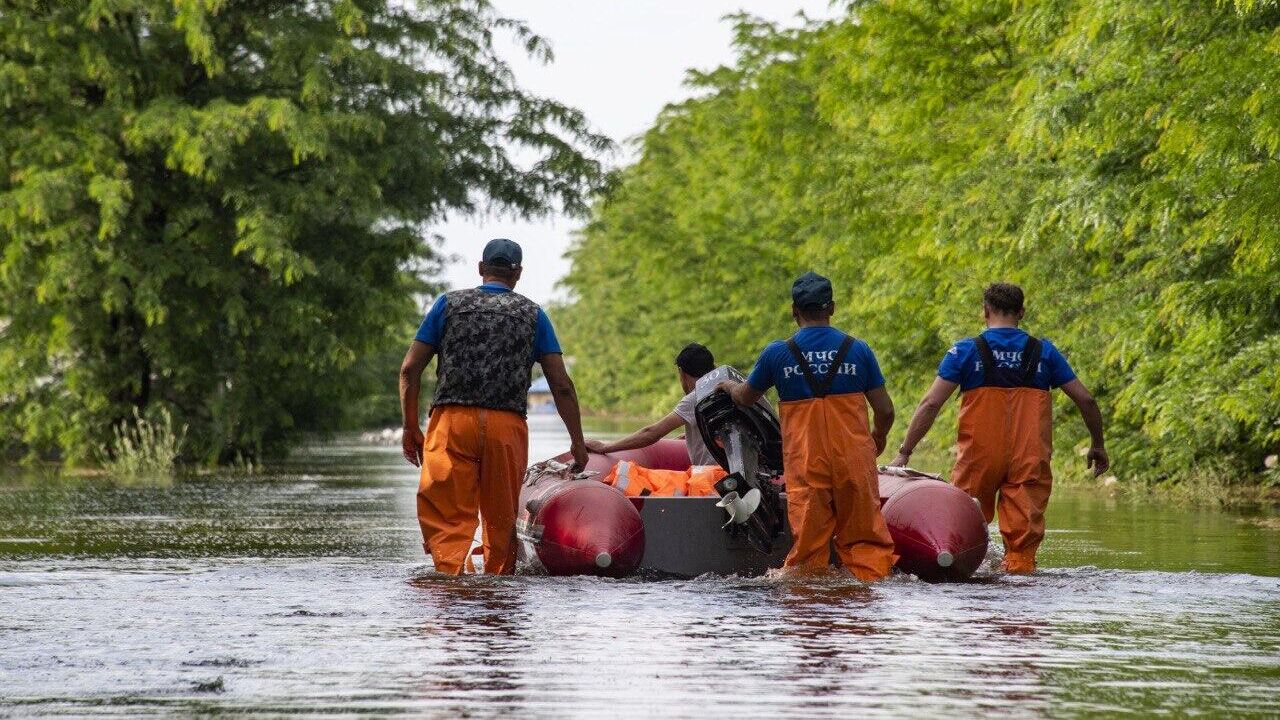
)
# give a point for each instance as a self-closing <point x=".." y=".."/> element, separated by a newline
<point x="963" y="366"/>
<point x="777" y="367"/>
<point x="432" y="327"/>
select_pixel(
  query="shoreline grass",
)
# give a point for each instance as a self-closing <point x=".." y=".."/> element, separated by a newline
<point x="144" y="449"/>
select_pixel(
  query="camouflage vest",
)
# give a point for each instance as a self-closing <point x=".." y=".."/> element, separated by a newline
<point x="486" y="351"/>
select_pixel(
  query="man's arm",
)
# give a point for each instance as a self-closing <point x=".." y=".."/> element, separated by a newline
<point x="415" y="361"/>
<point x="741" y="393"/>
<point x="926" y="412"/>
<point x="566" y="399"/>
<point x="882" y="407"/>
<point x="1097" y="457"/>
<point x="643" y="437"/>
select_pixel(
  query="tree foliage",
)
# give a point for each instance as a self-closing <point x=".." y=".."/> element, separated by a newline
<point x="1119" y="159"/>
<point x="220" y="207"/>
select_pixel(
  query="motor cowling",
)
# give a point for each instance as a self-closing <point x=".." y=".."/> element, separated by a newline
<point x="747" y="442"/>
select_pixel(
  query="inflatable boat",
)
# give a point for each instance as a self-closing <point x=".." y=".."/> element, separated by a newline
<point x="577" y="525"/>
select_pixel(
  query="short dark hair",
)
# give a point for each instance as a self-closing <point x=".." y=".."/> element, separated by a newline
<point x="1003" y="297"/>
<point x="814" y="313"/>
<point x="695" y="360"/>
<point x="505" y="273"/>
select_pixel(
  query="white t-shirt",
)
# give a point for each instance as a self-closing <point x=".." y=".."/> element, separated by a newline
<point x="698" y="452"/>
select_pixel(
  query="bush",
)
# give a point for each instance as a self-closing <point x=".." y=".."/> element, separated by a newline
<point x="144" y="449"/>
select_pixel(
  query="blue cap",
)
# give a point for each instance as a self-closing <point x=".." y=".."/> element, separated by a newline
<point x="811" y="290"/>
<point x="502" y="253"/>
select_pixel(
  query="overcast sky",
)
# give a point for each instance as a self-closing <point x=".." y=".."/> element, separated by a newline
<point x="620" y="62"/>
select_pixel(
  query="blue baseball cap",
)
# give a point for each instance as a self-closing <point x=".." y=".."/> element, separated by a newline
<point x="811" y="290"/>
<point x="502" y="252"/>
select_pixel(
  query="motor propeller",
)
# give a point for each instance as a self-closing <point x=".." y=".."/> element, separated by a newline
<point x="740" y="507"/>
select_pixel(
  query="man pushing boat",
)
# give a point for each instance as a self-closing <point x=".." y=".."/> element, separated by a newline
<point x="825" y="381"/>
<point x="1006" y="421"/>
<point x="477" y="443"/>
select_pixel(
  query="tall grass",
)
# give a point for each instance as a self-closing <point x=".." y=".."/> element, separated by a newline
<point x="144" y="448"/>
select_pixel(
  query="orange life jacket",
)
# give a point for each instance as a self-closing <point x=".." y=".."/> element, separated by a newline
<point x="638" y="481"/>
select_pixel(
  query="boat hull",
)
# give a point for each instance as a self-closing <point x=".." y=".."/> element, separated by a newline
<point x="683" y="537"/>
<point x="938" y="531"/>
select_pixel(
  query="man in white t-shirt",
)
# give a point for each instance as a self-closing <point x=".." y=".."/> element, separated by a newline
<point x="693" y="362"/>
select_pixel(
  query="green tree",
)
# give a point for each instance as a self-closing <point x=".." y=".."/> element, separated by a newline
<point x="1119" y="159"/>
<point x="221" y="206"/>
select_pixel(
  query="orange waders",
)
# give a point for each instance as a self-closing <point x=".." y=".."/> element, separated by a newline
<point x="833" y="491"/>
<point x="1005" y="443"/>
<point x="473" y="460"/>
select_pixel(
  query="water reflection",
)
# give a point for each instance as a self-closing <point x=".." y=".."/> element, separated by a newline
<point x="305" y="592"/>
<point x="475" y="631"/>
<point x="820" y="618"/>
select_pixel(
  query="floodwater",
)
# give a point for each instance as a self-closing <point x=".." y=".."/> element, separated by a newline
<point x="304" y="591"/>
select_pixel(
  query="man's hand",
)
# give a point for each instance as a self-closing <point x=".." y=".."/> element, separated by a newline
<point x="742" y="394"/>
<point x="1097" y="459"/>
<point x="411" y="440"/>
<point x="596" y="446"/>
<point x="900" y="460"/>
<point x="411" y="369"/>
<point x="579" y="452"/>
<point x="881" y="439"/>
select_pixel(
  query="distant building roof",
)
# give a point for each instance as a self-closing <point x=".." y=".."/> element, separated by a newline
<point x="540" y="386"/>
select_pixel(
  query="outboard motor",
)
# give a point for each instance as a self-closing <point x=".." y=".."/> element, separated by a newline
<point x="747" y="442"/>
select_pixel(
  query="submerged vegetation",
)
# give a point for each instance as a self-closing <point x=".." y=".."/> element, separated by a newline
<point x="222" y="208"/>
<point x="142" y="449"/>
<point x="1119" y="159"/>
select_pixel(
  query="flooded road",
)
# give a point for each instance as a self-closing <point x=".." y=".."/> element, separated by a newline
<point x="305" y="591"/>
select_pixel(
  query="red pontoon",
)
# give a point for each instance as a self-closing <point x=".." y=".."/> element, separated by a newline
<point x="582" y="526"/>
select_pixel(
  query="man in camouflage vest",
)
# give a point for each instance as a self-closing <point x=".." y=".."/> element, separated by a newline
<point x="477" y="443"/>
